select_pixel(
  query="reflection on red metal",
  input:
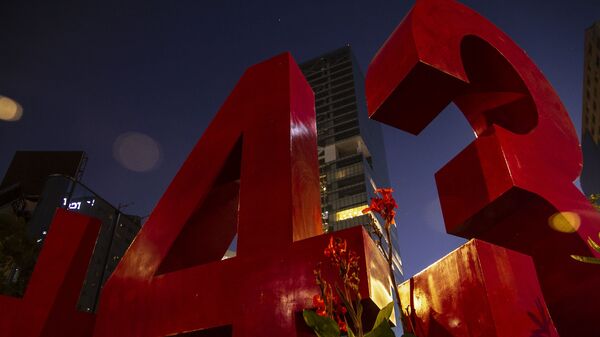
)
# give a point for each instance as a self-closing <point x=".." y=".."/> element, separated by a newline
<point x="48" y="308"/>
<point x="500" y="295"/>
<point x="513" y="186"/>
<point x="260" y="150"/>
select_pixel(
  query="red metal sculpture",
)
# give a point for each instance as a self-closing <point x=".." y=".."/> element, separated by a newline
<point x="254" y="172"/>
<point x="499" y="295"/>
<point x="260" y="150"/>
<point x="513" y="186"/>
<point x="48" y="308"/>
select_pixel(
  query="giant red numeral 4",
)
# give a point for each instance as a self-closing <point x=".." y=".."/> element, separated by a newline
<point x="513" y="185"/>
<point x="255" y="167"/>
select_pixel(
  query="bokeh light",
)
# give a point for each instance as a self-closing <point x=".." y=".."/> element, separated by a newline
<point x="565" y="222"/>
<point x="136" y="151"/>
<point x="10" y="110"/>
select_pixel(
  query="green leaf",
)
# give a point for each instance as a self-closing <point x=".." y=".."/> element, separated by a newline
<point x="586" y="259"/>
<point x="593" y="244"/>
<point x="322" y="326"/>
<point x="359" y="308"/>
<point x="384" y="314"/>
<point x="382" y="330"/>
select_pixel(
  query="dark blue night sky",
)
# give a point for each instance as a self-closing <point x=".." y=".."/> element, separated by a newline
<point x="94" y="77"/>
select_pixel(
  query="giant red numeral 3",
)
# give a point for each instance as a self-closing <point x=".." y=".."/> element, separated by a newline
<point x="258" y="154"/>
<point x="515" y="181"/>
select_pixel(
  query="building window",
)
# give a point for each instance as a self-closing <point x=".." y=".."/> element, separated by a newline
<point x="350" y="213"/>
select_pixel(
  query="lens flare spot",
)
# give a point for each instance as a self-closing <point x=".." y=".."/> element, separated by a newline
<point x="421" y="302"/>
<point x="10" y="111"/>
<point x="453" y="322"/>
<point x="136" y="151"/>
<point x="565" y="222"/>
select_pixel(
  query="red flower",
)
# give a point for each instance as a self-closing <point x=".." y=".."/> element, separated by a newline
<point x="330" y="249"/>
<point x="328" y="303"/>
<point x="384" y="206"/>
<point x="318" y="301"/>
<point x="336" y="250"/>
<point x="321" y="304"/>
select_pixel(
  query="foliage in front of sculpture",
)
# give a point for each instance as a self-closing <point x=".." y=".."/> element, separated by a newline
<point x="589" y="259"/>
<point x="385" y="206"/>
<point x="595" y="200"/>
<point x="337" y="307"/>
<point x="17" y="255"/>
<point x="327" y="327"/>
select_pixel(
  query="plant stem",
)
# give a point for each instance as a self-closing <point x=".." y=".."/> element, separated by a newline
<point x="356" y="319"/>
<point x="393" y="277"/>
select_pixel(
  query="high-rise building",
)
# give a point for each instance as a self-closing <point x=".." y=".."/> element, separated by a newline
<point x="352" y="159"/>
<point x="590" y="131"/>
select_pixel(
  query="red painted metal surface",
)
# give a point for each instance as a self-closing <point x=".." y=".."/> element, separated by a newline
<point x="260" y="150"/>
<point x="512" y="186"/>
<point x="48" y="308"/>
<point x="478" y="290"/>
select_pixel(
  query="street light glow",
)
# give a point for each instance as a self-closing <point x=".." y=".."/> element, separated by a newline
<point x="10" y="110"/>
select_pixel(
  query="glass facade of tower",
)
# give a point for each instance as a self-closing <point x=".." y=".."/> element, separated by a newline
<point x="590" y="133"/>
<point x="351" y="153"/>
